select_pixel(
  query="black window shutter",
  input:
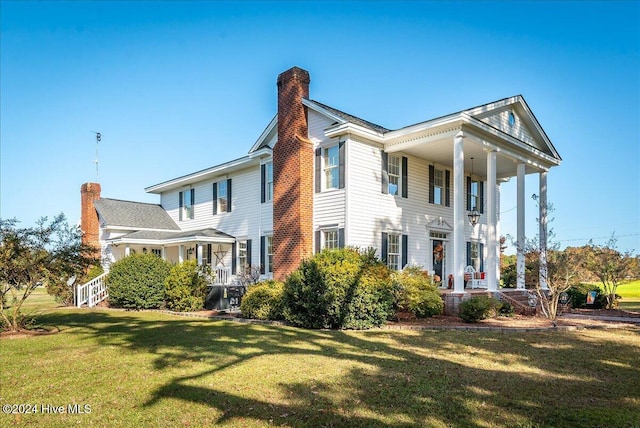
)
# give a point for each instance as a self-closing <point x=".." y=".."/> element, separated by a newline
<point x="385" y="243"/>
<point x="405" y="250"/>
<point x="318" y="162"/>
<point x="481" y="255"/>
<point x="341" y="164"/>
<point x="447" y="188"/>
<point x="263" y="181"/>
<point x="228" y="195"/>
<point x="193" y="203"/>
<point x="181" y="204"/>
<point x="468" y="253"/>
<point x="481" y="198"/>
<point x="468" y="193"/>
<point x="234" y="258"/>
<point x="341" y="237"/>
<point x="432" y="173"/>
<point x="262" y="250"/>
<point x="209" y="253"/>
<point x="249" y="252"/>
<point x="318" y="238"/>
<point x="405" y="177"/>
<point x="215" y="198"/>
<point x="385" y="172"/>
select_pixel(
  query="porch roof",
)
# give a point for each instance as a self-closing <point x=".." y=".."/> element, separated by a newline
<point x="155" y="237"/>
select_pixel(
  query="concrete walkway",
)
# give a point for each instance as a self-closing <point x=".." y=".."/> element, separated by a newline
<point x="602" y="318"/>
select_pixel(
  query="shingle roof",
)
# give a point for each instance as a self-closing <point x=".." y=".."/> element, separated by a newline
<point x="161" y="235"/>
<point x="114" y="212"/>
<point x="353" y="119"/>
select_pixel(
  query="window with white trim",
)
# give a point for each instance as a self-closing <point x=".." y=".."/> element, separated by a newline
<point x="393" y="251"/>
<point x="438" y="187"/>
<point x="222" y="196"/>
<point x="474" y="195"/>
<point x="269" y="254"/>
<point x="331" y="167"/>
<point x="242" y="256"/>
<point x="186" y="204"/>
<point x="393" y="170"/>
<point x="474" y="255"/>
<point x="331" y="239"/>
<point x="156" y="252"/>
<point x="268" y="181"/>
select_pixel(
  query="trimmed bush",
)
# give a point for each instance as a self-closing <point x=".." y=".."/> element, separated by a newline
<point x="137" y="282"/>
<point x="477" y="308"/>
<point x="186" y="287"/>
<point x="505" y="309"/>
<point x="578" y="296"/>
<point x="417" y="294"/>
<point x="339" y="289"/>
<point x="264" y="301"/>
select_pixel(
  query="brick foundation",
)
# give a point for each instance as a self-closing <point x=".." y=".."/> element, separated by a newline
<point x="293" y="173"/>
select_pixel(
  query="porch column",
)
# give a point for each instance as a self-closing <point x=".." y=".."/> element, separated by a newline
<point x="180" y="253"/>
<point x="459" y="247"/>
<point x="163" y="255"/>
<point x="127" y="251"/>
<point x="492" y="219"/>
<point x="199" y="253"/>
<point x="542" y="206"/>
<point x="520" y="267"/>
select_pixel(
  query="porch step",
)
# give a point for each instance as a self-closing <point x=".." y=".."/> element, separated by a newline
<point x="520" y="301"/>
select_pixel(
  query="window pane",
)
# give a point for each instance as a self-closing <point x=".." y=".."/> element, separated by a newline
<point x="222" y="196"/>
<point x="393" y="170"/>
<point x="331" y="165"/>
<point x="270" y="254"/>
<point x="269" y="182"/>
<point x="242" y="255"/>
<point x="331" y="239"/>
<point x="393" y="252"/>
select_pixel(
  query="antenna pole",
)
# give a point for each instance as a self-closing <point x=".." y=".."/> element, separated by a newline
<point x="96" y="161"/>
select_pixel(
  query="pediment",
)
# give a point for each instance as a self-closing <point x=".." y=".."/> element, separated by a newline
<point x="439" y="225"/>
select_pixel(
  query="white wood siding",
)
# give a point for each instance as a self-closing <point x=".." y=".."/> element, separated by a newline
<point x="519" y="130"/>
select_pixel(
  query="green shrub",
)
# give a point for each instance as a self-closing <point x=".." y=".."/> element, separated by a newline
<point x="186" y="287"/>
<point x="372" y="301"/>
<point x="505" y="309"/>
<point x="339" y="289"/>
<point x="578" y="296"/>
<point x="477" y="308"/>
<point x="137" y="282"/>
<point x="264" y="301"/>
<point x="416" y="293"/>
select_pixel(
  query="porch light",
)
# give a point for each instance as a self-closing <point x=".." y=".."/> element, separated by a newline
<point x="474" y="216"/>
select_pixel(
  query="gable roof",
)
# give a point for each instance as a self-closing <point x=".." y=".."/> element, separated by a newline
<point x="133" y="215"/>
<point x="353" y="119"/>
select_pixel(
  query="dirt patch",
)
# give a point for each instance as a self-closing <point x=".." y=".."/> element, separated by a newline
<point x="28" y="333"/>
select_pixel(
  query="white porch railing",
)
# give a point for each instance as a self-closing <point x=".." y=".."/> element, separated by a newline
<point x="93" y="292"/>
<point x="223" y="276"/>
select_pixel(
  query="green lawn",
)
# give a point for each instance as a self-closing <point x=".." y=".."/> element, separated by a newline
<point x="152" y="369"/>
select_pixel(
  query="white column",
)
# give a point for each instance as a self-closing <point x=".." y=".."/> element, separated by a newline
<point x="180" y="253"/>
<point x="492" y="219"/>
<point x="520" y="266"/>
<point x="199" y="253"/>
<point x="542" y="205"/>
<point x="459" y="247"/>
<point x="127" y="251"/>
<point x="163" y="255"/>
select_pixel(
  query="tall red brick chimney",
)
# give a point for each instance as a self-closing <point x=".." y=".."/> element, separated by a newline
<point x="89" y="222"/>
<point x="293" y="173"/>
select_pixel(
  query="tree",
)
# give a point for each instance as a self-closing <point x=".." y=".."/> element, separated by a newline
<point x="48" y="253"/>
<point x="611" y="267"/>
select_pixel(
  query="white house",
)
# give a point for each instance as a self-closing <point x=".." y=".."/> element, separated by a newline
<point x="321" y="178"/>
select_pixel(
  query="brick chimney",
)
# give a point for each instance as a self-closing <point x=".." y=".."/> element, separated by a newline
<point x="293" y="173"/>
<point x="89" y="222"/>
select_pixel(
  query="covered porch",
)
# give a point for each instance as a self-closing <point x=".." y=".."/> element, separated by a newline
<point x="207" y="246"/>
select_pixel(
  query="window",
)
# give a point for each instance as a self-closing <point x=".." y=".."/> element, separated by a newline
<point x="186" y="200"/>
<point x="512" y="119"/>
<point x="156" y="252"/>
<point x="394" y="174"/>
<point x="438" y="187"/>
<point x="242" y="256"/>
<point x="474" y="195"/>
<point x="222" y="196"/>
<point x="268" y="182"/>
<point x="269" y="264"/>
<point x="331" y="157"/>
<point x="474" y="255"/>
<point x="331" y="240"/>
<point x="393" y="252"/>
<point x="206" y="254"/>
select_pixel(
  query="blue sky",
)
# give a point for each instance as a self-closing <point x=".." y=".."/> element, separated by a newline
<point x="178" y="87"/>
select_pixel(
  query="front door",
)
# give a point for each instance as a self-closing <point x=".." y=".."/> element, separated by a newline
<point x="439" y="261"/>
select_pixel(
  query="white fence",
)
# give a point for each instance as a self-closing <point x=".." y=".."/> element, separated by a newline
<point x="223" y="276"/>
<point x="92" y="293"/>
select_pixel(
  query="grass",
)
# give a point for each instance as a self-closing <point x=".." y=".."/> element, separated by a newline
<point x="153" y="369"/>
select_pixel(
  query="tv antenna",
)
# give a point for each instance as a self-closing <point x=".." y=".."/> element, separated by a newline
<point x="96" y="161"/>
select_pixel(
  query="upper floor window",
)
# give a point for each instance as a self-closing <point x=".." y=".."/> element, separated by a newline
<point x="394" y="174"/>
<point x="222" y="196"/>
<point x="330" y="168"/>
<point x="439" y="186"/>
<point x="331" y="157"/>
<point x="186" y="200"/>
<point x="266" y="182"/>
